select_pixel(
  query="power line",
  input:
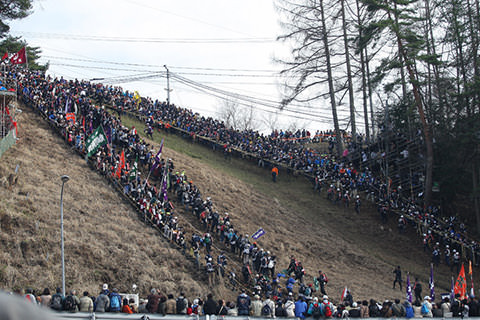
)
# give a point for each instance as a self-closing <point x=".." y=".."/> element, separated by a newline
<point x="248" y="99"/>
<point x="78" y="37"/>
<point x="185" y="73"/>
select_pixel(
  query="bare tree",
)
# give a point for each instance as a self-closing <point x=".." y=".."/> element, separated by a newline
<point x="315" y="57"/>
<point x="270" y="120"/>
<point x="237" y="117"/>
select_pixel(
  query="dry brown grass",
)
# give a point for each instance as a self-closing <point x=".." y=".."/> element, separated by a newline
<point x="104" y="239"/>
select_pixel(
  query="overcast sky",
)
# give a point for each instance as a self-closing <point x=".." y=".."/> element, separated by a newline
<point x="228" y="45"/>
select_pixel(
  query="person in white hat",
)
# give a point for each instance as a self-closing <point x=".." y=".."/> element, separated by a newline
<point x="427" y="307"/>
<point x="327" y="307"/>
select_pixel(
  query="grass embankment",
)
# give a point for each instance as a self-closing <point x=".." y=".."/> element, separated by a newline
<point x="105" y="241"/>
<point x="357" y="251"/>
<point x="297" y="187"/>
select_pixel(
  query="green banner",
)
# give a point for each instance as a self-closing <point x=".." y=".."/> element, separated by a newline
<point x="133" y="171"/>
<point x="95" y="141"/>
<point x="8" y="141"/>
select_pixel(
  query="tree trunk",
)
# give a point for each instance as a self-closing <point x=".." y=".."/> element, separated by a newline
<point x="331" y="88"/>
<point x="364" y="77"/>
<point x="423" y="119"/>
<point x="402" y="61"/>
<point x="370" y="100"/>
<point x="349" y="74"/>
<point x="473" y="26"/>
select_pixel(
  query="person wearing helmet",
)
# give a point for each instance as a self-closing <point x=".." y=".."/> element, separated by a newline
<point x="447" y="254"/>
<point x="330" y="193"/>
<point x="402" y="224"/>
<point x="456" y="261"/>
<point x="358" y="203"/>
<point x="210" y="269"/>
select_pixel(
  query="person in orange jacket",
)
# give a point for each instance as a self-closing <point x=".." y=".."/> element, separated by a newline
<point x="274" y="173"/>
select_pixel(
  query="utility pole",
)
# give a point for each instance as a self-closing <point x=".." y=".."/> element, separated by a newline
<point x="168" y="85"/>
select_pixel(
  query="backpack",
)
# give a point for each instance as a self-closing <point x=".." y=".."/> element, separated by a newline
<point x="328" y="310"/>
<point x="424" y="308"/>
<point x="69" y="304"/>
<point x="409" y="312"/>
<point x="325" y="279"/>
<point x="180" y="305"/>
<point x="266" y="310"/>
<point x="455" y="308"/>
<point x="114" y="303"/>
<point x="316" y="311"/>
<point x="56" y="303"/>
<point x="307" y="292"/>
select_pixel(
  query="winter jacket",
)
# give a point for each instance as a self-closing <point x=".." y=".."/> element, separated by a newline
<point x="102" y="303"/>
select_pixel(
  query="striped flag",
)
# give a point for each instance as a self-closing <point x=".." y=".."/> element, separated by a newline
<point x="409" y="289"/>
<point x="432" y="283"/>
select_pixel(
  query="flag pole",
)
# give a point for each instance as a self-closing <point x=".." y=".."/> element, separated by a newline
<point x="432" y="283"/>
<point x="26" y="57"/>
<point x="470" y="271"/>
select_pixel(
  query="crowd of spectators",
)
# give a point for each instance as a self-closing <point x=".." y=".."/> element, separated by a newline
<point x="358" y="171"/>
<point x="128" y="159"/>
<point x="289" y="306"/>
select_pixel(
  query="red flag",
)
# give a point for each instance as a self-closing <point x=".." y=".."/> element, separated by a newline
<point x="344" y="294"/>
<point x="121" y="165"/>
<point x="70" y="117"/>
<point x="19" y="58"/>
<point x="5" y="56"/>
<point x="461" y="284"/>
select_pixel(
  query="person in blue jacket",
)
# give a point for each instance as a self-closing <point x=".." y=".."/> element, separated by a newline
<point x="300" y="308"/>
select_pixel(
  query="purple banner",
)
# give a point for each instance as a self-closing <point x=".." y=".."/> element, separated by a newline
<point x="260" y="232"/>
<point x="409" y="289"/>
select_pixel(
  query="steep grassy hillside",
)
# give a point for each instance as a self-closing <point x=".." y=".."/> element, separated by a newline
<point x="354" y="250"/>
<point x="106" y="242"/>
<point x="104" y="239"/>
